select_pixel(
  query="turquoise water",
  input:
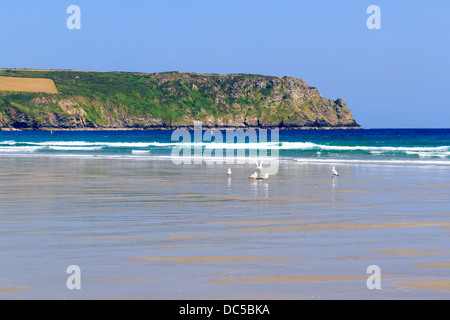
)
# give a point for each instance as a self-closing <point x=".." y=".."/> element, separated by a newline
<point x="421" y="146"/>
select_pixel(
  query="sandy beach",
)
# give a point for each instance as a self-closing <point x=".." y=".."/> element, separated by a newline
<point x="155" y="230"/>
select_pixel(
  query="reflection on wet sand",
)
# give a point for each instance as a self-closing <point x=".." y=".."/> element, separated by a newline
<point x="188" y="247"/>
<point x="432" y="285"/>
<point x="198" y="236"/>
<point x="412" y="252"/>
<point x="343" y="227"/>
<point x="303" y="278"/>
<point x="124" y="279"/>
<point x="14" y="289"/>
<point x="444" y="265"/>
<point x="107" y="239"/>
<point x="259" y="222"/>
<point x="207" y="259"/>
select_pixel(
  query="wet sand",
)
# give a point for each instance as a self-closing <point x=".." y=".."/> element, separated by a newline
<point x="303" y="278"/>
<point x="154" y="230"/>
<point x="427" y="285"/>
<point x="206" y="259"/>
<point x="433" y="264"/>
<point x="342" y="227"/>
<point x="413" y="252"/>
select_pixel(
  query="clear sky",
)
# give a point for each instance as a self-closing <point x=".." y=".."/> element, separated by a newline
<point x="394" y="77"/>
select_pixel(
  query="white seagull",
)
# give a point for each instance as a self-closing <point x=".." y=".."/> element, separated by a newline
<point x="229" y="172"/>
<point x="253" y="176"/>
<point x="259" y="165"/>
<point x="335" y="174"/>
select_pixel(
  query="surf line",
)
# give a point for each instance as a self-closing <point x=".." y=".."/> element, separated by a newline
<point x="240" y="146"/>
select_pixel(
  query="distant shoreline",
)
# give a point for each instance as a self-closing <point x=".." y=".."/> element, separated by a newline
<point x="181" y="127"/>
<point x="163" y="101"/>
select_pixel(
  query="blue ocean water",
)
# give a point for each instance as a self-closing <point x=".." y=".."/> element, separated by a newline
<point x="429" y="146"/>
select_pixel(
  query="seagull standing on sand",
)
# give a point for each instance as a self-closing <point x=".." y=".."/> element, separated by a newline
<point x="229" y="172"/>
<point x="335" y="174"/>
<point x="265" y="176"/>
<point x="253" y="176"/>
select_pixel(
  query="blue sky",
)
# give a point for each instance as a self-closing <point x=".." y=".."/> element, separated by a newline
<point x="395" y="77"/>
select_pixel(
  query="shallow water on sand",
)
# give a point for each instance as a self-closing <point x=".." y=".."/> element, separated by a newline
<point x="152" y="229"/>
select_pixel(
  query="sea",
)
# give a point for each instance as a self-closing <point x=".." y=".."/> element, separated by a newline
<point x="141" y="214"/>
<point x="390" y="146"/>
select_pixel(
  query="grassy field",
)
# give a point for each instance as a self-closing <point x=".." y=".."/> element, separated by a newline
<point x="27" y="84"/>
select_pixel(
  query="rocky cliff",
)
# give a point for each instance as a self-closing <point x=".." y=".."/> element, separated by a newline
<point x="119" y="100"/>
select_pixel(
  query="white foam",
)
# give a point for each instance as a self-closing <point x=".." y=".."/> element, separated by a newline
<point x="429" y="154"/>
<point x="238" y="145"/>
<point x="235" y="160"/>
<point x="375" y="161"/>
<point x="425" y="153"/>
<point x="8" y="142"/>
<point x="309" y="145"/>
<point x="19" y="149"/>
<point x="86" y="143"/>
<point x="66" y="148"/>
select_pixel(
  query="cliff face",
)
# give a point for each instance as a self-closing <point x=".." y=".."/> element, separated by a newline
<point x="94" y="100"/>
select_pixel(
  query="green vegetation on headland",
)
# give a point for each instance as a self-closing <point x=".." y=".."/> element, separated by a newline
<point x="126" y="100"/>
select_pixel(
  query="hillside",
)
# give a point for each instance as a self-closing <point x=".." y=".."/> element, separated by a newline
<point x="124" y="100"/>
